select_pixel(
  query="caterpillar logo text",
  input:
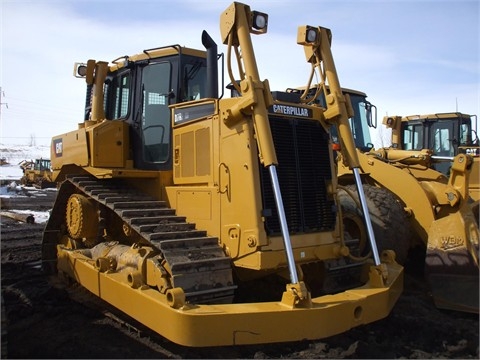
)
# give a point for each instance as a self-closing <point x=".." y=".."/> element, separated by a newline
<point x="58" y="147"/>
<point x="472" y="151"/>
<point x="291" y="110"/>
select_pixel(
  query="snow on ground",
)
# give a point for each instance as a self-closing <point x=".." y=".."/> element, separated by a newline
<point x="41" y="217"/>
<point x="12" y="189"/>
<point x="13" y="155"/>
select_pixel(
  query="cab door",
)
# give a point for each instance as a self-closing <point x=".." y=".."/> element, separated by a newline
<point x="154" y="127"/>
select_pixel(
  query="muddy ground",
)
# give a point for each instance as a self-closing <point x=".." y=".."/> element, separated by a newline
<point x="43" y="319"/>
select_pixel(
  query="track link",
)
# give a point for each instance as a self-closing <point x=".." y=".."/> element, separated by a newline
<point x="196" y="262"/>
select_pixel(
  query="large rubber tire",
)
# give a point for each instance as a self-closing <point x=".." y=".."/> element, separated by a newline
<point x="390" y="224"/>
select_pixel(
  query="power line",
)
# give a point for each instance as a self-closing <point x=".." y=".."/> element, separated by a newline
<point x="24" y="137"/>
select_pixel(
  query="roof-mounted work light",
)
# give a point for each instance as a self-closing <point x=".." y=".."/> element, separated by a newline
<point x="259" y="22"/>
<point x="79" y="70"/>
<point x="307" y="35"/>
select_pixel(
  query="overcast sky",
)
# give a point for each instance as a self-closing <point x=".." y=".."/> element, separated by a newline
<point x="410" y="57"/>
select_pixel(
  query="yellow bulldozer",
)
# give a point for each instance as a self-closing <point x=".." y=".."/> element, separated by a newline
<point x="412" y="202"/>
<point x="211" y="220"/>
<point x="37" y="173"/>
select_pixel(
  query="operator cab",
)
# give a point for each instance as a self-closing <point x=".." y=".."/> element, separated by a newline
<point x="139" y="90"/>
<point x="365" y="116"/>
<point x="141" y="93"/>
<point x="445" y="134"/>
<point x="42" y="164"/>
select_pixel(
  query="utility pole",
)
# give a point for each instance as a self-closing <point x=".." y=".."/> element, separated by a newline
<point x="2" y="95"/>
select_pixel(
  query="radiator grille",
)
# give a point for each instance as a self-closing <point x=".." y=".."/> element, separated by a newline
<point x="303" y="172"/>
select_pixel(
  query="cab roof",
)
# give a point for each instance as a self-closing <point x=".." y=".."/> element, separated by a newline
<point x="155" y="53"/>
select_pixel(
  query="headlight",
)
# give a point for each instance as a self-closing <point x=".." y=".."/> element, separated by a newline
<point x="259" y="21"/>
<point x="311" y="35"/>
<point x="307" y="35"/>
<point x="80" y="70"/>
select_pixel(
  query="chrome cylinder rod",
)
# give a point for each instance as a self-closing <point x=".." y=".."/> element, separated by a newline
<point x="442" y="158"/>
<point x="283" y="224"/>
<point x="366" y="214"/>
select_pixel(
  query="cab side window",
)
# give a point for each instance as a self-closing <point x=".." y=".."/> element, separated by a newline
<point x="117" y="96"/>
<point x="413" y="137"/>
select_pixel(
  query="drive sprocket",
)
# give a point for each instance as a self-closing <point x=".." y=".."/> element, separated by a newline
<point x="82" y="219"/>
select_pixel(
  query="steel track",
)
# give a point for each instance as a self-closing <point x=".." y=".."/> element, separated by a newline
<point x="196" y="262"/>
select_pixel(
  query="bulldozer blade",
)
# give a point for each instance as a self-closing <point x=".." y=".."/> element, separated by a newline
<point x="453" y="279"/>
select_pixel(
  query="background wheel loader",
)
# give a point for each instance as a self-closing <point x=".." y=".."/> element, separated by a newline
<point x="214" y="221"/>
<point x="446" y="135"/>
<point x="404" y="185"/>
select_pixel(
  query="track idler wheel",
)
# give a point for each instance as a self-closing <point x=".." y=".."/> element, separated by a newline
<point x="82" y="219"/>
